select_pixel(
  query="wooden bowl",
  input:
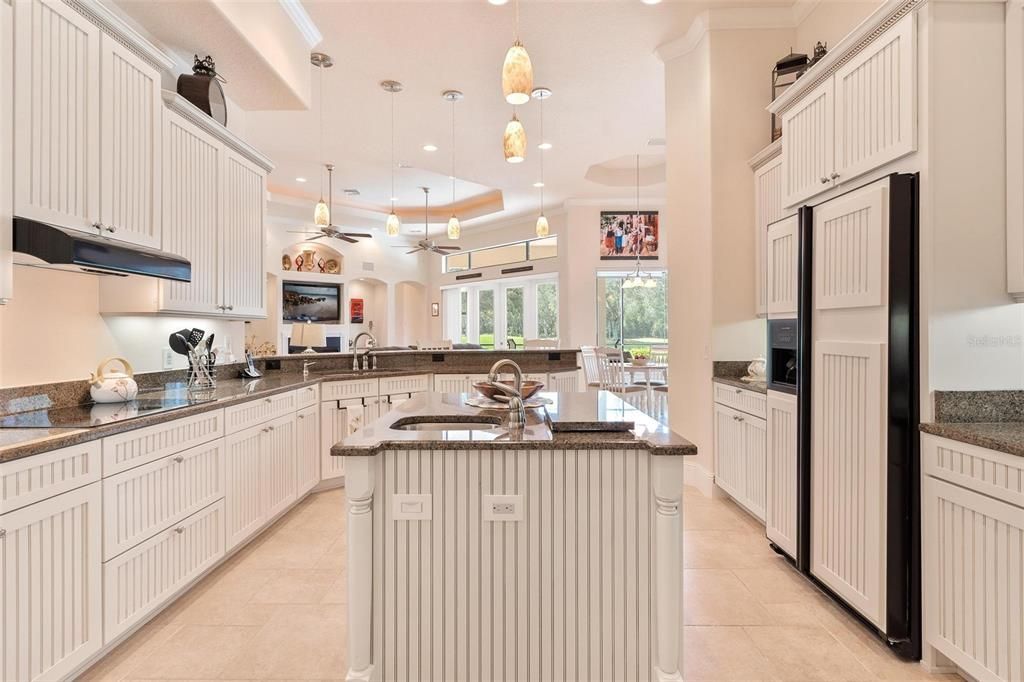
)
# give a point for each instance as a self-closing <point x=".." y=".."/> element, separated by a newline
<point x="529" y="388"/>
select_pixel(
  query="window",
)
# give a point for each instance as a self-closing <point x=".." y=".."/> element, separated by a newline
<point x="503" y="254"/>
<point x="547" y="310"/>
<point x="492" y="313"/>
<point x="634" y="318"/>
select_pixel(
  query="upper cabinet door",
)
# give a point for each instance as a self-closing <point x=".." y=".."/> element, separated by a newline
<point x="191" y="208"/>
<point x="130" y="146"/>
<point x="57" y="96"/>
<point x="875" y="111"/>
<point x="767" y="209"/>
<point x="1015" y="149"/>
<point x="242" y="224"/>
<point x="783" y="254"/>
<point x="808" y="145"/>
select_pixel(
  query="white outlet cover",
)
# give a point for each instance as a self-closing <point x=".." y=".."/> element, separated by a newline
<point x="490" y="501"/>
<point x="411" y="507"/>
<point x="168" y="358"/>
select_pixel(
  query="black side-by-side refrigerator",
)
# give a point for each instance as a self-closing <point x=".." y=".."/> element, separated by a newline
<point x="858" y="461"/>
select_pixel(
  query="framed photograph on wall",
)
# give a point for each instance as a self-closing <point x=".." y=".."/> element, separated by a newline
<point x="356" y="311"/>
<point x="624" y="234"/>
<point x="435" y="309"/>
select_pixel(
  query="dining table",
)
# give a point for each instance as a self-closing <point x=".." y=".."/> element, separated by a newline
<point x="656" y="372"/>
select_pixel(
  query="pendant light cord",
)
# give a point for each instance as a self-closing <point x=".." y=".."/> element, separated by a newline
<point x="515" y="30"/>
<point x="321" y="67"/>
<point x="542" y="155"/>
<point x="392" y="151"/>
<point x="453" y="156"/>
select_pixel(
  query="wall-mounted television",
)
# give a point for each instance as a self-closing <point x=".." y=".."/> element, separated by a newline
<point x="312" y="301"/>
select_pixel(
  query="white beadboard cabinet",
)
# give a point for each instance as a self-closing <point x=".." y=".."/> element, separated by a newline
<point x="1015" y="149"/>
<point x="279" y="466"/>
<point x="307" y="449"/>
<point x="782" y="255"/>
<point x="781" y="479"/>
<point x="50" y="586"/>
<point x="6" y="151"/>
<point x="856" y="119"/>
<point x="243" y="206"/>
<point x="564" y="382"/>
<point x="243" y="494"/>
<point x="339" y="418"/>
<point x="740" y="449"/>
<point x="768" y="208"/>
<point x="973" y="557"/>
<point x="57" y="97"/>
<point x="130" y="146"/>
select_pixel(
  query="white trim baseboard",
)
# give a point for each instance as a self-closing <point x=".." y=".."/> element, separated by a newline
<point x="696" y="476"/>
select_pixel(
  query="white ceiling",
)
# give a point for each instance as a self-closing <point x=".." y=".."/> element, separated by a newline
<point x="597" y="57"/>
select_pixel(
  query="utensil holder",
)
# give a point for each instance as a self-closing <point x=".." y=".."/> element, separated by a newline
<point x="201" y="372"/>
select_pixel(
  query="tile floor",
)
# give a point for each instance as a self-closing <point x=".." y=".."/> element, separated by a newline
<point x="275" y="611"/>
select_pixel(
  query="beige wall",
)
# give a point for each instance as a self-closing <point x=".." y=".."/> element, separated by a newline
<point x="52" y="330"/>
<point x="829" y="22"/>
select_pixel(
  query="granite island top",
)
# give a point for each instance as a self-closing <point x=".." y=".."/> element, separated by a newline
<point x="1007" y="437"/>
<point x="577" y="408"/>
<point x="35" y="438"/>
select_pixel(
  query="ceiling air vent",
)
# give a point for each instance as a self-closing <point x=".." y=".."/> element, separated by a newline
<point x="656" y="142"/>
<point x="367" y="266"/>
<point x="350" y="192"/>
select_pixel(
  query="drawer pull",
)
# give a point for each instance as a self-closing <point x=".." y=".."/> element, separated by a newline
<point x="824" y="180"/>
<point x="178" y="460"/>
<point x="179" y="530"/>
<point x="270" y="428"/>
<point x="834" y="176"/>
<point x="268" y="400"/>
<point x="301" y="416"/>
<point x="739" y="390"/>
<point x="3" y="533"/>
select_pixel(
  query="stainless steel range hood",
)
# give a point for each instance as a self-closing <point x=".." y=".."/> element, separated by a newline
<point x="61" y="246"/>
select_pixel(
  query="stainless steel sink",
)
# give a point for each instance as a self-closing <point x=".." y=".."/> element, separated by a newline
<point x="446" y="424"/>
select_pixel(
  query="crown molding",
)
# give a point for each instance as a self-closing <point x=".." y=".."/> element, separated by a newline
<point x="766" y="154"/>
<point x="734" y="19"/>
<point x="118" y="29"/>
<point x="624" y="205"/>
<point x="297" y="13"/>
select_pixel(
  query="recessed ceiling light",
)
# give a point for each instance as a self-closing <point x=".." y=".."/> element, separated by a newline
<point x="498" y="2"/>
<point x="538" y="184"/>
<point x="544" y="145"/>
<point x="300" y="179"/>
<point x="650" y="2"/>
<point x="394" y="198"/>
<point x="430" y="147"/>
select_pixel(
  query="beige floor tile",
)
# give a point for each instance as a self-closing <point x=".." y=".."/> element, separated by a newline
<point x="337" y="593"/>
<point x="777" y="585"/>
<point x="704" y="514"/>
<point x="193" y="652"/>
<point x="295" y="586"/>
<point x="806" y="654"/>
<point x="299" y="642"/>
<point x="717" y="597"/>
<point x="722" y="653"/>
<point x="727" y="549"/>
<point x="290" y="548"/>
<point x="117" y="664"/>
<point x="335" y="556"/>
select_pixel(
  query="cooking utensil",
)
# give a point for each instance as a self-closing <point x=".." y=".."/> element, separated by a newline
<point x="487" y="390"/>
<point x="178" y="341"/>
<point x="195" y="337"/>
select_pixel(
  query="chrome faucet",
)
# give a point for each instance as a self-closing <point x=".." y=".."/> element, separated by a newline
<point x="355" y="349"/>
<point x="305" y="368"/>
<point x="517" y="410"/>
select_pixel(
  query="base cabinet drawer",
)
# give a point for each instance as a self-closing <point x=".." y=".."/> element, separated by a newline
<point x="974" y="580"/>
<point x="33" y="479"/>
<point x="134" y="448"/>
<point x="149" y="499"/>
<point x="141" y="579"/>
<point x="412" y="384"/>
<point x="344" y="390"/>
<point x="741" y="399"/>
<point x="240" y="417"/>
<point x="50" y="586"/>
<point x="563" y="382"/>
<point x="306" y="396"/>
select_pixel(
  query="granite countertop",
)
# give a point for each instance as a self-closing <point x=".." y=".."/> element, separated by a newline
<point x="755" y="386"/>
<point x="1007" y="437"/>
<point x="646" y="434"/>
<point x="16" y="443"/>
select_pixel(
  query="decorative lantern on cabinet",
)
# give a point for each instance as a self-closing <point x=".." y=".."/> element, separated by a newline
<point x="785" y="73"/>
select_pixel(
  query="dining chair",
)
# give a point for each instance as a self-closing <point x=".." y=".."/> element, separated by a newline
<point x="612" y="376"/>
<point x="659" y="408"/>
<point x="590" y="372"/>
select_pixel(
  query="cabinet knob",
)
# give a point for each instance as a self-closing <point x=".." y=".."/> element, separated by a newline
<point x="270" y="428"/>
<point x="99" y="226"/>
<point x="230" y="307"/>
<point x="179" y="530"/>
<point x="739" y="390"/>
<point x="3" y="533"/>
<point x="111" y="228"/>
<point x="834" y="176"/>
<point x="179" y="459"/>
<point x="824" y="180"/>
<point x="268" y="400"/>
<point x="301" y="416"/>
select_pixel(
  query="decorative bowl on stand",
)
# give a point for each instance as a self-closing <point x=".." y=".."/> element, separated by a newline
<point x="529" y="388"/>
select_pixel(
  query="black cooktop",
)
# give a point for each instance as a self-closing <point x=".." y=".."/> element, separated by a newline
<point x="97" y="414"/>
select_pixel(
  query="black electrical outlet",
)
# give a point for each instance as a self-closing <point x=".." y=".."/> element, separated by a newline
<point x="554" y="356"/>
<point x="437" y="357"/>
<point x="273" y="364"/>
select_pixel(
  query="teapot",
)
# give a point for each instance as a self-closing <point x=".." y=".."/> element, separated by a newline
<point x="113" y="387"/>
<point x="757" y="368"/>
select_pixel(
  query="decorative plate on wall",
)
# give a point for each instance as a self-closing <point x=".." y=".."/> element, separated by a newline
<point x="286" y="262"/>
<point x="332" y="267"/>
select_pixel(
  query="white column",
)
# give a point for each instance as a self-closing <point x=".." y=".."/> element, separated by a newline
<point x="667" y="475"/>
<point x="359" y="482"/>
<point x="390" y="316"/>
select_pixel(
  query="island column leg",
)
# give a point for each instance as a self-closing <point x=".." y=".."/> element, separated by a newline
<point x="667" y="474"/>
<point x="359" y="475"/>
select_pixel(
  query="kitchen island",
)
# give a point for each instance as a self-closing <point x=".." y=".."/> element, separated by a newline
<point x="477" y="551"/>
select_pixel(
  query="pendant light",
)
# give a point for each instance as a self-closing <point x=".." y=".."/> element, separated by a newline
<point x="517" y="71"/>
<point x="393" y="225"/>
<point x="638" y="278"/>
<point x="454" y="228"/>
<point x="543" y="229"/>
<point x="322" y="213"/>
<point x="514" y="141"/>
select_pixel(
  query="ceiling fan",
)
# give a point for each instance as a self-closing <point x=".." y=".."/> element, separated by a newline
<point x="329" y="230"/>
<point x="427" y="244"/>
